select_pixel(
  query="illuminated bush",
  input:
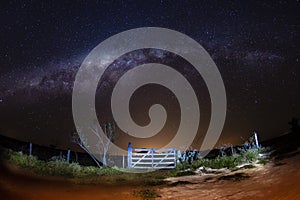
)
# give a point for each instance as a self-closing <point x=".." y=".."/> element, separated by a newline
<point x="22" y="160"/>
<point x="218" y="163"/>
<point x="229" y="162"/>
<point x="56" y="166"/>
<point x="251" y="155"/>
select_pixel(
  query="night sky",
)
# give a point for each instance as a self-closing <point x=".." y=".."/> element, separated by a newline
<point x="254" y="44"/>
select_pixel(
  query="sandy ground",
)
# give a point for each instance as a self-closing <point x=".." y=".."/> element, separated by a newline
<point x="16" y="184"/>
<point x="279" y="180"/>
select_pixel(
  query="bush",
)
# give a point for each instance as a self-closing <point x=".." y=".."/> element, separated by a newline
<point x="109" y="171"/>
<point x="90" y="171"/>
<point x="218" y="163"/>
<point x="59" y="167"/>
<point x="251" y="155"/>
<point x="229" y="162"/>
<point x="22" y="160"/>
<point x="56" y="166"/>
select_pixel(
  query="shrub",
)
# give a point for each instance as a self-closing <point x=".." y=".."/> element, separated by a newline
<point x="109" y="171"/>
<point x="251" y="155"/>
<point x="57" y="166"/>
<point x="22" y="160"/>
<point x="229" y="162"/>
<point x="218" y="163"/>
<point x="90" y="171"/>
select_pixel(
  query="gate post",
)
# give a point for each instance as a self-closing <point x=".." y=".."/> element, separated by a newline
<point x="175" y="157"/>
<point x="129" y="157"/>
<point x="152" y="151"/>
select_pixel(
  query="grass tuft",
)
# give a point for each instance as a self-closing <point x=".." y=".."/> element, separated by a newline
<point x="146" y="194"/>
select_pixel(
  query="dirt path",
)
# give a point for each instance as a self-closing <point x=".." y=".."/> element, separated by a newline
<point x="272" y="181"/>
<point x="20" y="184"/>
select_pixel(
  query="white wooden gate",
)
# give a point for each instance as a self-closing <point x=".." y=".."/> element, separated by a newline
<point x="154" y="158"/>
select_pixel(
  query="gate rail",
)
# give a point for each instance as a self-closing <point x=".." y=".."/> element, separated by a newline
<point x="152" y="158"/>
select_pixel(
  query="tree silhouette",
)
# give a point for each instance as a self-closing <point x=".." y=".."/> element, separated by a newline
<point x="103" y="143"/>
<point x="81" y="141"/>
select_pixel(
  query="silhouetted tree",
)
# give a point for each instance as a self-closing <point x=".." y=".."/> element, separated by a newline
<point x="82" y="142"/>
<point x="105" y="142"/>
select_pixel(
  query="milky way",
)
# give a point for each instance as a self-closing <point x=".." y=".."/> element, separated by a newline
<point x="255" y="46"/>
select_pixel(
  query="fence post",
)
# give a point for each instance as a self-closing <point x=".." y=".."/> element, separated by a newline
<point x="129" y="157"/>
<point x="68" y="155"/>
<point x="256" y="140"/>
<point x="30" y="148"/>
<point x="178" y="156"/>
<point x="231" y="148"/>
<point x="123" y="161"/>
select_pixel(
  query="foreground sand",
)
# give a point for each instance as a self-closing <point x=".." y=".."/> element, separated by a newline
<point x="16" y="184"/>
<point x="279" y="180"/>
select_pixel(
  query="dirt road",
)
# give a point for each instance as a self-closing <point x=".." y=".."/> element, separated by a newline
<point x="279" y="180"/>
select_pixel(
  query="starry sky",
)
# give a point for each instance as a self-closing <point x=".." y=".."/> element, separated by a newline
<point x="254" y="44"/>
